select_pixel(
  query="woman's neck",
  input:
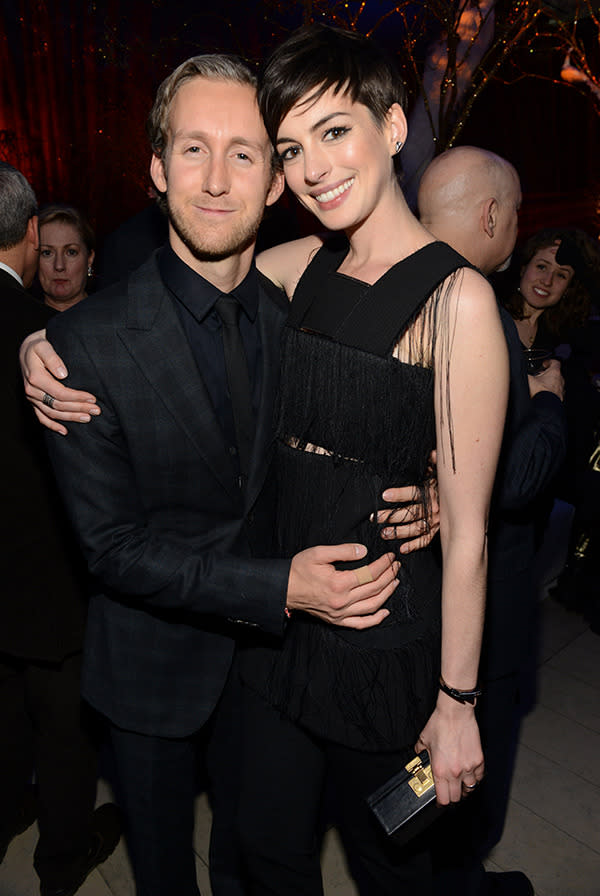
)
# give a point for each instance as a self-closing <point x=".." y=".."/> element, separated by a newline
<point x="532" y="314"/>
<point x="527" y="327"/>
<point x="388" y="235"/>
<point x="62" y="306"/>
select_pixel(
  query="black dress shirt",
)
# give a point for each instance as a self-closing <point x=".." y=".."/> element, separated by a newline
<point x="195" y="301"/>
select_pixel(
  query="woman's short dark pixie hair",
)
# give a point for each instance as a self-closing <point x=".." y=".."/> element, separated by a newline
<point x="316" y="58"/>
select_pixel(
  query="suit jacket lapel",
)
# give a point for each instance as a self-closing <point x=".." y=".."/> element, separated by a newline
<point x="154" y="337"/>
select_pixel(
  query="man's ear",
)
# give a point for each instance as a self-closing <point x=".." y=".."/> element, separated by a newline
<point x="33" y="232"/>
<point x="489" y="217"/>
<point x="157" y="173"/>
<point x="276" y="188"/>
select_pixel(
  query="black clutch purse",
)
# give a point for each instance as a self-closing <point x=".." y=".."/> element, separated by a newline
<point x="405" y="805"/>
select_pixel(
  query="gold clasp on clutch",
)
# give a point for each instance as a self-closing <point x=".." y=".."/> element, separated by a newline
<point x="595" y="459"/>
<point x="421" y="779"/>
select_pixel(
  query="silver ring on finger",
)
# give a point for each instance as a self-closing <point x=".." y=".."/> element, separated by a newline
<point x="470" y="786"/>
<point x="48" y="400"/>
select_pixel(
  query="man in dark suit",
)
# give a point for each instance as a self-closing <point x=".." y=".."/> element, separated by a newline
<point x="470" y="198"/>
<point x="43" y="607"/>
<point x="170" y="515"/>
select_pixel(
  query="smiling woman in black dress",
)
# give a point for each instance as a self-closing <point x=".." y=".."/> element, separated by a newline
<point x="393" y="346"/>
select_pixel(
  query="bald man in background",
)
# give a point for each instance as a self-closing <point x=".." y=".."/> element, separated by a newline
<point x="470" y="198"/>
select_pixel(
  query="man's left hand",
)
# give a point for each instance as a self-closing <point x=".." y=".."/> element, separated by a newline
<point x="411" y="519"/>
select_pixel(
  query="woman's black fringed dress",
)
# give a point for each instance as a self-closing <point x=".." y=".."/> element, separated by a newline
<point x="352" y="421"/>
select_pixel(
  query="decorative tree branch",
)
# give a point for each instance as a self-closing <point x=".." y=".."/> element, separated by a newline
<point x="477" y="43"/>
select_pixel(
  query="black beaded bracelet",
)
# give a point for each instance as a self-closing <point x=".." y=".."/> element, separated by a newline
<point x="460" y="696"/>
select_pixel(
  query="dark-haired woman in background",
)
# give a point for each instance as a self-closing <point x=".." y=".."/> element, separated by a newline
<point x="551" y="306"/>
<point x="550" y="298"/>
<point x="559" y="277"/>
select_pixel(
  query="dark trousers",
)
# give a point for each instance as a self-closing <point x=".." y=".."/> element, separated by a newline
<point x="284" y="769"/>
<point x="157" y="785"/>
<point x="44" y="729"/>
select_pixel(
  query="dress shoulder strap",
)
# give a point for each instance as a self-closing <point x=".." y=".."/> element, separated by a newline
<point x="384" y="309"/>
<point x="390" y="305"/>
<point x="311" y="284"/>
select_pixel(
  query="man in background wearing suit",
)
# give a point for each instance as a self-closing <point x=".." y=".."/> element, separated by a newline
<point x="470" y="198"/>
<point x="43" y="607"/>
<point x="171" y="510"/>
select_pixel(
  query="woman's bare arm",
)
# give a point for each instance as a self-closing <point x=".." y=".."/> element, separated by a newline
<point x="43" y="371"/>
<point x="471" y="396"/>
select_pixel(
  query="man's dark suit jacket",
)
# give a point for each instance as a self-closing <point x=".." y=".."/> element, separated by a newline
<point x="43" y="606"/>
<point x="533" y="449"/>
<point x="153" y="493"/>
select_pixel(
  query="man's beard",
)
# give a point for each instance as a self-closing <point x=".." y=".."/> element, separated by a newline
<point x="242" y="237"/>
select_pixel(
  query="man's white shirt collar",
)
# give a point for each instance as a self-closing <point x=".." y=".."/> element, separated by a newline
<point x="5" y="267"/>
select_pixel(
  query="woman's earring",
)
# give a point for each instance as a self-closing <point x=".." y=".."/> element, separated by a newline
<point x="90" y="270"/>
<point x="398" y="146"/>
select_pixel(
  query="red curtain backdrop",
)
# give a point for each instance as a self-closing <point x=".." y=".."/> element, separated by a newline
<point x="73" y="100"/>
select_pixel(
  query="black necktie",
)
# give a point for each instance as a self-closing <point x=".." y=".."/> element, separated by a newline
<point x="228" y="309"/>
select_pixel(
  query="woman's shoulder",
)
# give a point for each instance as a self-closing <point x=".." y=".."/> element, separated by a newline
<point x="472" y="290"/>
<point x="285" y="264"/>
